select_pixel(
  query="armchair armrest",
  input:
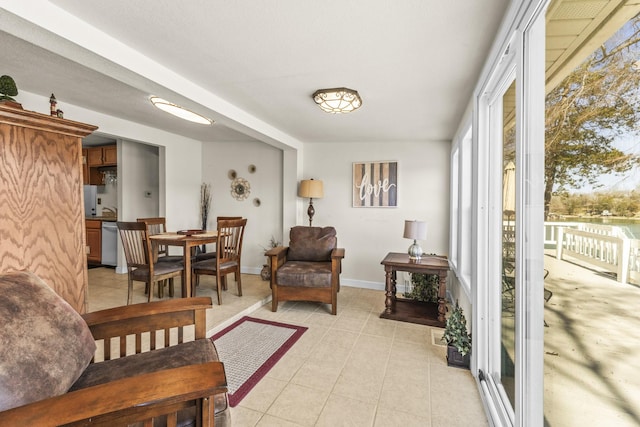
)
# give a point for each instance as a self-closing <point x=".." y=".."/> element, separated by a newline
<point x="135" y="398"/>
<point x="278" y="252"/>
<point x="277" y="257"/>
<point x="337" y="253"/>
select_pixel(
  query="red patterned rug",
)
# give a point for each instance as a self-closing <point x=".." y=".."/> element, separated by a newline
<point x="249" y="348"/>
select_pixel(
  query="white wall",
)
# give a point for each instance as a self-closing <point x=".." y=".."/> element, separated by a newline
<point x="138" y="176"/>
<point x="263" y="221"/>
<point x="108" y="197"/>
<point x="368" y="234"/>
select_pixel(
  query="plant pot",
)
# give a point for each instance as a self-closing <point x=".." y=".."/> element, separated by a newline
<point x="265" y="273"/>
<point x="457" y="360"/>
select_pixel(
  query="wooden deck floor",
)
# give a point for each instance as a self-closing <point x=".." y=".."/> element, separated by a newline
<point x="592" y="348"/>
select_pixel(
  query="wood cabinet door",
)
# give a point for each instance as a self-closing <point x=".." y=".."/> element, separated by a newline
<point x="95" y="156"/>
<point x="94" y="241"/>
<point x="110" y="155"/>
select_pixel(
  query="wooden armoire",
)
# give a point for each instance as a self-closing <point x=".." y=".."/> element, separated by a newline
<point x="41" y="200"/>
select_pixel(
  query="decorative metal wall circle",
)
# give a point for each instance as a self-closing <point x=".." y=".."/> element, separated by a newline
<point x="240" y="188"/>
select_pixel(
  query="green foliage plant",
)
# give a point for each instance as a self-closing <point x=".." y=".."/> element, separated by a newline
<point x="455" y="331"/>
<point x="424" y="287"/>
<point x="8" y="88"/>
<point x="273" y="243"/>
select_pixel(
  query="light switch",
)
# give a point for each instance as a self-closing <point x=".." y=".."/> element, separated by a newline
<point x="99" y="201"/>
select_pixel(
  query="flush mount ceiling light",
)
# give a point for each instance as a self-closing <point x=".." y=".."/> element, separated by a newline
<point x="179" y="111"/>
<point x="338" y="100"/>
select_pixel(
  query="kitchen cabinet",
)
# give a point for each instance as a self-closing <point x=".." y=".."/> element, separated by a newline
<point x="102" y="156"/>
<point x="110" y="155"/>
<point x="94" y="241"/>
<point x="99" y="158"/>
<point x="43" y="222"/>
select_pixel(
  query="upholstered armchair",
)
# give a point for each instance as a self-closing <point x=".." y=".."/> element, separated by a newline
<point x="153" y="362"/>
<point x="308" y="269"/>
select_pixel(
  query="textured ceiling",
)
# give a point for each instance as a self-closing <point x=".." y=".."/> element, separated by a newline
<point x="252" y="66"/>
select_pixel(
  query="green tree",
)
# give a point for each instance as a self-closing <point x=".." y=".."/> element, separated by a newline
<point x="585" y="113"/>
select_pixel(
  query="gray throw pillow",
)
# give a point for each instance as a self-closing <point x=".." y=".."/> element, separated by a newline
<point x="45" y="343"/>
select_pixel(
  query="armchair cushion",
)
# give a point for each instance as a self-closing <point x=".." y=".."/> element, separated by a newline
<point x="46" y="344"/>
<point x="311" y="243"/>
<point x="305" y="274"/>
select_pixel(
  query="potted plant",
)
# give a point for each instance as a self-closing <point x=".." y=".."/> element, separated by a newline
<point x="8" y="90"/>
<point x="458" y="339"/>
<point x="205" y="206"/>
<point x="265" y="273"/>
<point x="424" y="287"/>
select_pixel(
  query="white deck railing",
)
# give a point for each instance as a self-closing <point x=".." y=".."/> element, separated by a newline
<point x="603" y="246"/>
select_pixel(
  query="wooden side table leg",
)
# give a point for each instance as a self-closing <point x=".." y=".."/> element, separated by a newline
<point x="389" y="301"/>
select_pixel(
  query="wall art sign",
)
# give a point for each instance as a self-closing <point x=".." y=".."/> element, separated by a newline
<point x="375" y="185"/>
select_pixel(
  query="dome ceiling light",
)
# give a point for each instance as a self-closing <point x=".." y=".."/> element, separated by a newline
<point x="338" y="100"/>
<point x="179" y="111"/>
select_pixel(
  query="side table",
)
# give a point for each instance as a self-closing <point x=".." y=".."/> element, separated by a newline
<point x="407" y="310"/>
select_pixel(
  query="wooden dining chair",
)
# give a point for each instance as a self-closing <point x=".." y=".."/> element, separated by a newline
<point x="227" y="259"/>
<point x="158" y="225"/>
<point x="210" y="255"/>
<point x="140" y="265"/>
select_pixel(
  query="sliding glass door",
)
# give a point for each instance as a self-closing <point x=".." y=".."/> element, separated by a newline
<point x="509" y="265"/>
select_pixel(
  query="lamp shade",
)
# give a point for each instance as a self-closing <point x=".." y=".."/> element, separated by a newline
<point x="311" y="188"/>
<point x="416" y="230"/>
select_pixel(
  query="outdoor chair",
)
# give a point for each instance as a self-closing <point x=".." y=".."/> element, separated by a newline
<point x="115" y="367"/>
<point x="308" y="269"/>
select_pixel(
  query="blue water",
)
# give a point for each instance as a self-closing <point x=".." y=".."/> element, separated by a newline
<point x="632" y="225"/>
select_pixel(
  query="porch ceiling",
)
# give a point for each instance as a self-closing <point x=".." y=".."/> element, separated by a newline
<point x="575" y="28"/>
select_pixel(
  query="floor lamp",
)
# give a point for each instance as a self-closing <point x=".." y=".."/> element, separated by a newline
<point x="312" y="189"/>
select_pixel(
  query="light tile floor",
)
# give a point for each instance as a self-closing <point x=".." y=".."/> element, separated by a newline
<point x="353" y="369"/>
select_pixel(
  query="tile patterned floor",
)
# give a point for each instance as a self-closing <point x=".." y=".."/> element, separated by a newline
<point x="353" y="369"/>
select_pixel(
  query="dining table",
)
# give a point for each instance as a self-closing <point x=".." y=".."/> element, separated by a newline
<point x="188" y="240"/>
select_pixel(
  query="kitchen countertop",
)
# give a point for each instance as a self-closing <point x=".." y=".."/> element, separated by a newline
<point x="103" y="218"/>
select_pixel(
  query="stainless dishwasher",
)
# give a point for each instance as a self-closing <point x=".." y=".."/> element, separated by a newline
<point x="109" y="243"/>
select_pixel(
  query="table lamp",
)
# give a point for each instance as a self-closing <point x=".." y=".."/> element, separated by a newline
<point x="416" y="230"/>
<point x="313" y="190"/>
